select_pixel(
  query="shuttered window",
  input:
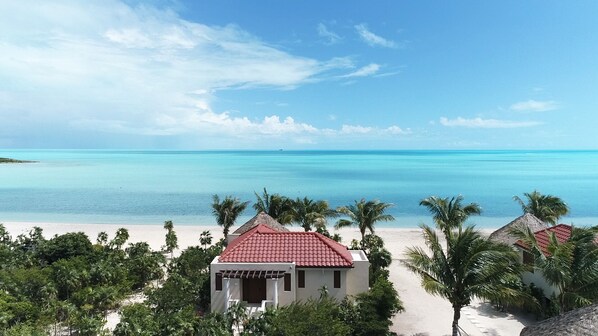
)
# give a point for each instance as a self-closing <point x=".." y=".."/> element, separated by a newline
<point x="301" y="279"/>
<point x="218" y="281"/>
<point x="287" y="282"/>
<point x="337" y="279"/>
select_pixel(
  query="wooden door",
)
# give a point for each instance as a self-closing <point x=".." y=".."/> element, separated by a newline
<point x="254" y="290"/>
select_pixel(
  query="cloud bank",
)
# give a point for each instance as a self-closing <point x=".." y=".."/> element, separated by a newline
<point x="485" y="123"/>
<point x="107" y="66"/>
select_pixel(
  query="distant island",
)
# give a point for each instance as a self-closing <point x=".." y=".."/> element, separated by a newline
<point x="7" y="160"/>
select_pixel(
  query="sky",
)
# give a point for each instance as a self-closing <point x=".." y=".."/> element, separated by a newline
<point x="308" y="74"/>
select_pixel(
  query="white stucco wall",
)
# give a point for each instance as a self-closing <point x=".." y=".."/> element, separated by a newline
<point x="316" y="278"/>
<point x="353" y="281"/>
<point x="537" y="278"/>
<point x="358" y="276"/>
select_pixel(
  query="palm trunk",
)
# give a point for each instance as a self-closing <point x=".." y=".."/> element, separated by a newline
<point x="456" y="317"/>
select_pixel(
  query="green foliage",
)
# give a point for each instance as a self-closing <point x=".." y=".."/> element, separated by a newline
<point x="205" y="238"/>
<point x="144" y="264"/>
<point x="547" y="208"/>
<point x="227" y="211"/>
<point x="364" y="214"/>
<point x="375" y="308"/>
<point x="570" y="266"/>
<point x="171" y="238"/>
<point x="315" y="317"/>
<point x="24" y="330"/>
<point x="449" y="214"/>
<point x="471" y="266"/>
<point x="276" y="206"/>
<point x="309" y="213"/>
<point x="136" y="320"/>
<point x="68" y="245"/>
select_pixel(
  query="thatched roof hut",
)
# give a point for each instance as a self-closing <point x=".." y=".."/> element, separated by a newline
<point x="527" y="220"/>
<point x="261" y="218"/>
<point x="578" y="322"/>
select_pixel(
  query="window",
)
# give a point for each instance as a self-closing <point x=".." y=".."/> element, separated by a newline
<point x="528" y="258"/>
<point x="218" y="281"/>
<point x="287" y="282"/>
<point x="301" y="279"/>
<point x="337" y="279"/>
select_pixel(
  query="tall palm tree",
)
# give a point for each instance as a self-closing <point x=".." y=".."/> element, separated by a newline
<point x="472" y="266"/>
<point x="547" y="208"/>
<point x="309" y="213"/>
<point x="449" y="213"/>
<point x="364" y="214"/>
<point x="276" y="206"/>
<point x="227" y="211"/>
<point x="570" y="266"/>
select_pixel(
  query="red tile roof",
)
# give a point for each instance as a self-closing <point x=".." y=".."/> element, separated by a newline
<point x="562" y="233"/>
<point x="307" y="249"/>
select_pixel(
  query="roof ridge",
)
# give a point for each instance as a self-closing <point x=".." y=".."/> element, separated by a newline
<point x="334" y="245"/>
<point x="235" y="243"/>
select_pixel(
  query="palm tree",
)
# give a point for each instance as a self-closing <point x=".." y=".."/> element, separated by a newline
<point x="472" y="266"/>
<point x="227" y="211"/>
<point x="309" y="213"/>
<point x="276" y="206"/>
<point x="449" y="213"/>
<point x="547" y="208"/>
<point x="364" y="214"/>
<point x="570" y="266"/>
<point x="171" y="238"/>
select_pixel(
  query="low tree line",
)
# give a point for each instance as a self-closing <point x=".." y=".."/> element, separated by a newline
<point x="67" y="283"/>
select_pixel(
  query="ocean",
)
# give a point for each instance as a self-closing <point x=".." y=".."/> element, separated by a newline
<point x="149" y="187"/>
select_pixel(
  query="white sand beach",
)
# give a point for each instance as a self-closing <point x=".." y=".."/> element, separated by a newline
<point x="424" y="314"/>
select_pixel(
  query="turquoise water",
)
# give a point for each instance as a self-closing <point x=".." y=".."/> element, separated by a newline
<point x="101" y="186"/>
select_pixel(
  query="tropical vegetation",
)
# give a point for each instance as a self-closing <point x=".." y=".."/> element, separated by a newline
<point x="276" y="206"/>
<point x="66" y="283"/>
<point x="571" y="267"/>
<point x="310" y="214"/>
<point x="547" y="208"/>
<point x="471" y="265"/>
<point x="364" y="214"/>
<point x="227" y="211"/>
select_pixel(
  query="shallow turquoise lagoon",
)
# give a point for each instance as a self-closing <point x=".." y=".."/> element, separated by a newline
<point x="101" y="186"/>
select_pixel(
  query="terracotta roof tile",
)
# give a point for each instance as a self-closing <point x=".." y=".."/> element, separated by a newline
<point x="562" y="233"/>
<point x="307" y="249"/>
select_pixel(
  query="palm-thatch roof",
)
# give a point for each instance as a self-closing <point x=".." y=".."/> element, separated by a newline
<point x="502" y="235"/>
<point x="261" y="218"/>
<point x="578" y="322"/>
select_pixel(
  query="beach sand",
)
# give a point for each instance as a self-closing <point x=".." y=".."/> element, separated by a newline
<point x="424" y="314"/>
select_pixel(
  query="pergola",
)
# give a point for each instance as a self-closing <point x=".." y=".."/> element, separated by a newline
<point x="250" y="274"/>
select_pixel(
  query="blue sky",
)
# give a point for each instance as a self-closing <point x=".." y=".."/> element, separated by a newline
<point x="299" y="74"/>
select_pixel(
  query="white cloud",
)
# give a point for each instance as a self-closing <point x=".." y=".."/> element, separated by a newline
<point x="355" y="129"/>
<point x="485" y="123"/>
<point x="362" y="130"/>
<point x="137" y="70"/>
<point x="373" y="39"/>
<point x="368" y="70"/>
<point x="534" y="106"/>
<point x="397" y="130"/>
<point x="331" y="37"/>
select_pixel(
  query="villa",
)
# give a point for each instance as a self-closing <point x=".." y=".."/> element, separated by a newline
<point x="266" y="266"/>
<point x="561" y="232"/>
